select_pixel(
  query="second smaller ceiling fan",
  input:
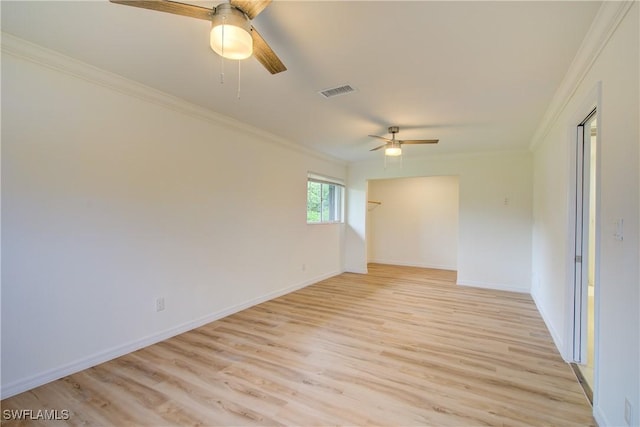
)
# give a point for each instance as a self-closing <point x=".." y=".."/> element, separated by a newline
<point x="393" y="146"/>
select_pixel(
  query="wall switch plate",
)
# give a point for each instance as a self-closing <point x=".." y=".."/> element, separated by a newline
<point x="627" y="412"/>
<point x="160" y="304"/>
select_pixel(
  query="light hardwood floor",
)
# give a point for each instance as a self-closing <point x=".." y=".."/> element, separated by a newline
<point x="400" y="346"/>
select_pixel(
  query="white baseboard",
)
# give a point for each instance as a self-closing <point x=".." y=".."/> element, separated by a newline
<point x="357" y="270"/>
<point x="554" y="334"/>
<point x="413" y="264"/>
<point x="600" y="418"/>
<point x="494" y="286"/>
<point x="42" y="378"/>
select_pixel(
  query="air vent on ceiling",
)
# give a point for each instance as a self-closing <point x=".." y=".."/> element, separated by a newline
<point x="337" y="91"/>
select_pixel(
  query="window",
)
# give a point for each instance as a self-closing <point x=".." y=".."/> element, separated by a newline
<point x="324" y="199"/>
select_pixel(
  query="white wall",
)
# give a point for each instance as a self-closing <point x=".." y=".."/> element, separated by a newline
<point x="611" y="82"/>
<point x="494" y="238"/>
<point x="416" y="223"/>
<point x="110" y="200"/>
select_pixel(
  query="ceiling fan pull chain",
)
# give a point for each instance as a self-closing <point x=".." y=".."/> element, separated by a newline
<point x="221" y="70"/>
<point x="239" y="79"/>
<point x="224" y="19"/>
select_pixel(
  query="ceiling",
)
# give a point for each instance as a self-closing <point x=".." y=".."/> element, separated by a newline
<point x="477" y="75"/>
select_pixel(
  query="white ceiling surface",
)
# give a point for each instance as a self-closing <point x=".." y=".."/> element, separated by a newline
<point x="477" y="75"/>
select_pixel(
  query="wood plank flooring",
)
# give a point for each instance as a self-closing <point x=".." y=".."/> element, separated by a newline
<point x="399" y="346"/>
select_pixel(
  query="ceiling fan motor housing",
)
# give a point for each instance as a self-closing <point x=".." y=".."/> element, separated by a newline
<point x="394" y="129"/>
<point x="232" y="15"/>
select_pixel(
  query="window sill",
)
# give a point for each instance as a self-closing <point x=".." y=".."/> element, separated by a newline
<point x="325" y="223"/>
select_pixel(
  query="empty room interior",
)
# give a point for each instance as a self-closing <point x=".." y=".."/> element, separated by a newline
<point x="320" y="213"/>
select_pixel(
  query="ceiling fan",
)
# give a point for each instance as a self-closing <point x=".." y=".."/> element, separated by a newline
<point x="232" y="35"/>
<point x="393" y="146"/>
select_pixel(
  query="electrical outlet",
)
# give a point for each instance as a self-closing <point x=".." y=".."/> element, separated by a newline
<point x="628" y="413"/>
<point x="160" y="304"/>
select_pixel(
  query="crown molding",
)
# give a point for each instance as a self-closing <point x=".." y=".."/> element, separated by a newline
<point x="25" y="50"/>
<point x="609" y="16"/>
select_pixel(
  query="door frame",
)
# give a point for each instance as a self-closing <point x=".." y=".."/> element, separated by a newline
<point x="592" y="101"/>
<point x="582" y="222"/>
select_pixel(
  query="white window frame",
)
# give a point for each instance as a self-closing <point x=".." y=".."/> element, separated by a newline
<point x="336" y="208"/>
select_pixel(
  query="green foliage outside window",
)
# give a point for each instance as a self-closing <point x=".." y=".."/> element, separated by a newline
<point x="324" y="202"/>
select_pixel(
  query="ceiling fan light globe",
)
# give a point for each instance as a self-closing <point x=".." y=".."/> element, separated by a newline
<point x="393" y="151"/>
<point x="230" y="35"/>
<point x="238" y="43"/>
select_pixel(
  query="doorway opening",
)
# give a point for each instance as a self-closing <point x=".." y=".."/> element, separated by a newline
<point x="586" y="254"/>
<point x="413" y="222"/>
